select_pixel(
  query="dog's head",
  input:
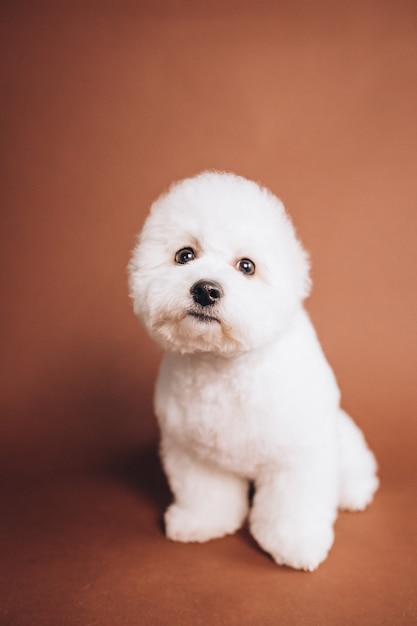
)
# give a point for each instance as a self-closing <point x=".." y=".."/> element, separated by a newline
<point x="217" y="267"/>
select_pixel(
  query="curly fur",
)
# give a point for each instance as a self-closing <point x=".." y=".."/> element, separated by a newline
<point x="244" y="392"/>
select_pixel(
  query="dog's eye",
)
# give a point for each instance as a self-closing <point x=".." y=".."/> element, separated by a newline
<point x="246" y="266"/>
<point x="185" y="255"/>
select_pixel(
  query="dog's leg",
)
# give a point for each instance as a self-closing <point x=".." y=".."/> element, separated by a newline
<point x="208" y="502"/>
<point x="358" y="481"/>
<point x="294" y="509"/>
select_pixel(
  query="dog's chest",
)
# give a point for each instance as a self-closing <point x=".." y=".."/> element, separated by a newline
<point x="222" y="410"/>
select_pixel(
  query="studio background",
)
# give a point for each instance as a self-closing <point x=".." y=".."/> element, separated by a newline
<point x="104" y="104"/>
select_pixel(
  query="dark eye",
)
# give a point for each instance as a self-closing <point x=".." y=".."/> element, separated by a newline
<point x="246" y="266"/>
<point x="185" y="255"/>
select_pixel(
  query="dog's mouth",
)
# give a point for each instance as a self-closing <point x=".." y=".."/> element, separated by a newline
<point x="203" y="317"/>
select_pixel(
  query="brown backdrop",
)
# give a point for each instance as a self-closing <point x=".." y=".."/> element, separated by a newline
<point x="104" y="104"/>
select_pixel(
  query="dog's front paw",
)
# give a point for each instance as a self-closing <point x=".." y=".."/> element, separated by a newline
<point x="302" y="548"/>
<point x="305" y="551"/>
<point x="182" y="524"/>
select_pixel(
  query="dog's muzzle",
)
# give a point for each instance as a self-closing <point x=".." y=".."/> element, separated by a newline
<point x="206" y="292"/>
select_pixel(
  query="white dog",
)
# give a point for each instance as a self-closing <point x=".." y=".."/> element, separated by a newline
<point x="244" y="392"/>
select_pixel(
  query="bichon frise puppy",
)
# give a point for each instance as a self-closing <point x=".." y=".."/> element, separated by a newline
<point x="244" y="392"/>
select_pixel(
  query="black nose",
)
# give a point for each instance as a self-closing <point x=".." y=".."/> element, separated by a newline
<point x="206" y="292"/>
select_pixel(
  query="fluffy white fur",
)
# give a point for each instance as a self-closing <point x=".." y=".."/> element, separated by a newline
<point x="244" y="391"/>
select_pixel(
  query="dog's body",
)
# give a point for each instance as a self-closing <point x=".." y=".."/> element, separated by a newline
<point x="244" y="391"/>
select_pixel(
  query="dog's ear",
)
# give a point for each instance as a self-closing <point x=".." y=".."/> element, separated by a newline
<point x="297" y="256"/>
<point x="303" y="272"/>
